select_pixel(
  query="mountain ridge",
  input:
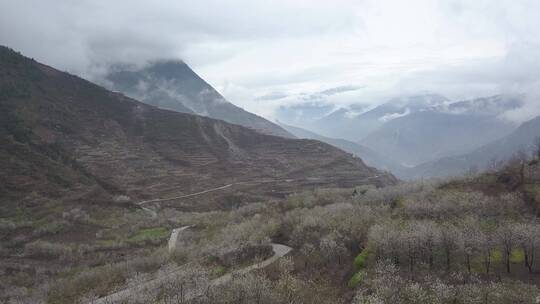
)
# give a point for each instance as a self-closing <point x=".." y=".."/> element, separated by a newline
<point x="66" y="137"/>
<point x="173" y="85"/>
<point x="369" y="156"/>
<point x="521" y="139"/>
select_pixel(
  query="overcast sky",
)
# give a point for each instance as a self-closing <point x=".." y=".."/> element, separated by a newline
<point x="262" y="54"/>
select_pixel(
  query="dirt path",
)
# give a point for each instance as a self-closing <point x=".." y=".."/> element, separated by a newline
<point x="255" y="182"/>
<point x="123" y="295"/>
<point x="159" y="200"/>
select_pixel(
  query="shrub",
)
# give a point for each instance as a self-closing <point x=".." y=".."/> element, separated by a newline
<point x="43" y="249"/>
<point x="360" y="260"/>
<point x="149" y="235"/>
<point x="219" y="271"/>
<point x="356" y="279"/>
<point x="51" y="227"/>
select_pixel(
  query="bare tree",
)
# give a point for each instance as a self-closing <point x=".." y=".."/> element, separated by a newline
<point x="411" y="243"/>
<point x="428" y="237"/>
<point x="528" y="238"/>
<point x="506" y="237"/>
<point x="537" y="148"/>
<point x="332" y="248"/>
<point x="467" y="243"/>
<point x="387" y="241"/>
<point x="486" y="245"/>
<point x="449" y="238"/>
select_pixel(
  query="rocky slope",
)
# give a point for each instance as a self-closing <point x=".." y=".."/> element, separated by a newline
<point x="63" y="137"/>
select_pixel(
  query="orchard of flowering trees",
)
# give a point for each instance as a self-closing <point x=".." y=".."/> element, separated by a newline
<point x="469" y="243"/>
<point x="449" y="230"/>
<point x="419" y="242"/>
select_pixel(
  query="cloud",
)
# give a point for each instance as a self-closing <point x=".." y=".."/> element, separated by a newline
<point x="271" y="96"/>
<point x="249" y="50"/>
<point x="97" y="31"/>
<point x="340" y="89"/>
<point x="389" y="117"/>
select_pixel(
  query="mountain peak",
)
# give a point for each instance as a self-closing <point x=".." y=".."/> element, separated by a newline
<point x="173" y="85"/>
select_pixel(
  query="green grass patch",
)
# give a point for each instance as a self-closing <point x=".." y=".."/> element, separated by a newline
<point x="107" y="243"/>
<point x="533" y="189"/>
<point x="356" y="279"/>
<point x="496" y="256"/>
<point x="219" y="271"/>
<point x="361" y="259"/>
<point x="489" y="224"/>
<point x="73" y="271"/>
<point x="149" y="234"/>
<point x="517" y="256"/>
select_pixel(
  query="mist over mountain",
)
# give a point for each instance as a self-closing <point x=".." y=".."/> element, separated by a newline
<point x="484" y="106"/>
<point x="304" y="114"/>
<point x="420" y="128"/>
<point x="175" y="86"/>
<point x="270" y="152"/>
<point x="523" y="139"/>
<point x="369" y="156"/>
<point x="429" y="135"/>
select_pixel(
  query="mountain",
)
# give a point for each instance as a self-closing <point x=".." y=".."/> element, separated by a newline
<point x="355" y="125"/>
<point x="367" y="155"/>
<point x="484" y="106"/>
<point x="302" y="114"/>
<point x="430" y="135"/>
<point x="175" y="86"/>
<point x="65" y="138"/>
<point x="522" y="139"/>
<point x="420" y="128"/>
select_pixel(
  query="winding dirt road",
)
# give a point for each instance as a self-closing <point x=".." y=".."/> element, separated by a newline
<point x="159" y="200"/>
<point x="123" y="295"/>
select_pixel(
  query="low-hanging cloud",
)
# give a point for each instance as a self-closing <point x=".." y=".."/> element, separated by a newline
<point x="249" y="50"/>
<point x="100" y="32"/>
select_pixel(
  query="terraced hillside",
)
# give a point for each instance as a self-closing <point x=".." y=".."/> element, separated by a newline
<point x="65" y="137"/>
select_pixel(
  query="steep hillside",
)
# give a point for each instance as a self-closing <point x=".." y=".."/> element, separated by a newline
<point x="64" y="137"/>
<point x="174" y="85"/>
<point x="367" y="155"/>
<point x="522" y="139"/>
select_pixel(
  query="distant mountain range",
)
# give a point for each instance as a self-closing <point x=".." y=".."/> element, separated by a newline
<point x="356" y="121"/>
<point x="369" y="156"/>
<point x="429" y="135"/>
<point x="418" y="129"/>
<point x="522" y="139"/>
<point x="175" y="86"/>
<point x="66" y="139"/>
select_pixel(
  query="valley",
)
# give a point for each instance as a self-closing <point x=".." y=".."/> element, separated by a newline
<point x="92" y="179"/>
<point x="269" y="152"/>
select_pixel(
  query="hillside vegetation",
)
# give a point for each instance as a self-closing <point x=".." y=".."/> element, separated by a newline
<point x="470" y="240"/>
<point x="78" y="160"/>
<point x="84" y="170"/>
